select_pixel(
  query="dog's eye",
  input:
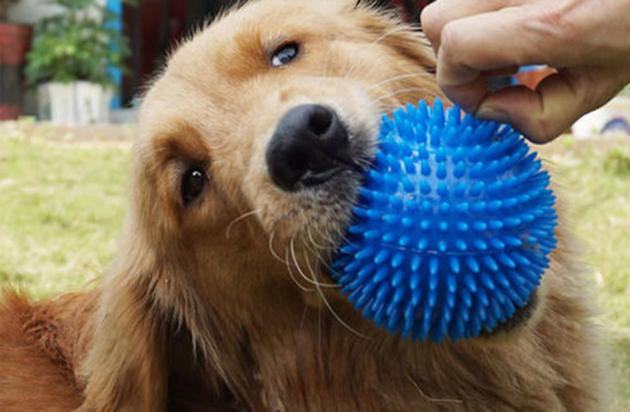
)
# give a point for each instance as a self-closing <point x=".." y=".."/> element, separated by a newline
<point x="285" y="54"/>
<point x="193" y="184"/>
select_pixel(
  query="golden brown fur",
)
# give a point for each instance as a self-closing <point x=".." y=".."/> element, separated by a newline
<point x="224" y="304"/>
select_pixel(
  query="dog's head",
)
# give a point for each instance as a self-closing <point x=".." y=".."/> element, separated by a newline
<point x="253" y="141"/>
<point x="255" y="135"/>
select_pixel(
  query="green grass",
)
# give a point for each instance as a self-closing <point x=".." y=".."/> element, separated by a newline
<point x="595" y="181"/>
<point x="61" y="209"/>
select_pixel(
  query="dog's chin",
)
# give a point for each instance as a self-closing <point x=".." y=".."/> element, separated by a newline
<point x="319" y="210"/>
<point x="326" y="210"/>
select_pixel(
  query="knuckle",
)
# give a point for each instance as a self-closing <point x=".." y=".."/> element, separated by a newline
<point x="552" y="17"/>
<point x="547" y="128"/>
<point x="450" y="39"/>
<point x="431" y="22"/>
<point x="585" y="89"/>
<point x="560" y="24"/>
<point x="590" y="89"/>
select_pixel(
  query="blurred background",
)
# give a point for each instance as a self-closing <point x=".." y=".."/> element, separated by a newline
<point x="98" y="50"/>
<point x="71" y="73"/>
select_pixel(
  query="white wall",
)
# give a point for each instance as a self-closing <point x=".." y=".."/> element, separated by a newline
<point x="29" y="11"/>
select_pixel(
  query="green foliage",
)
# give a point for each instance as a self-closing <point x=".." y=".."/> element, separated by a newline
<point x="617" y="162"/>
<point x="4" y="8"/>
<point x="79" y="43"/>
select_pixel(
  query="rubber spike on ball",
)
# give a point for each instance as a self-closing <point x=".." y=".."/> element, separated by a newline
<point x="452" y="229"/>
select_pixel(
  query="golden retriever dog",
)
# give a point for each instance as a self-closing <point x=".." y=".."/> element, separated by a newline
<point x="251" y="147"/>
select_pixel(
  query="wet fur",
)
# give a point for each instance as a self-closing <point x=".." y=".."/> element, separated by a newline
<point x="225" y="305"/>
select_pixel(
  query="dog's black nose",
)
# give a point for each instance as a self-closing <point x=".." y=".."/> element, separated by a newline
<point x="309" y="147"/>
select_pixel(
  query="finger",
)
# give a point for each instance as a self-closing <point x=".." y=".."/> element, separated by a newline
<point x="469" y="95"/>
<point x="436" y="15"/>
<point x="543" y="114"/>
<point x="485" y="43"/>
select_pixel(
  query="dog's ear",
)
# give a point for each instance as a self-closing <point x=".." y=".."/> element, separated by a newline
<point x="386" y="27"/>
<point x="150" y="296"/>
<point x="125" y="368"/>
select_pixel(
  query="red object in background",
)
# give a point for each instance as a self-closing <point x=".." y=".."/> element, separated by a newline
<point x="15" y="40"/>
<point x="531" y="78"/>
<point x="162" y="24"/>
<point x="410" y="9"/>
<point x="9" y="112"/>
<point x="153" y="27"/>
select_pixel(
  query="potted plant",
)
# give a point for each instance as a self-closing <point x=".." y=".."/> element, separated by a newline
<point x="71" y="60"/>
<point x="14" y="42"/>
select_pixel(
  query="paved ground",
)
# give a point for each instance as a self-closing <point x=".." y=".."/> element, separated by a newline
<point x="102" y="134"/>
<point x="114" y="133"/>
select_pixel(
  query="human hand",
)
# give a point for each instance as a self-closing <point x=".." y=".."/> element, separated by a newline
<point x="586" y="41"/>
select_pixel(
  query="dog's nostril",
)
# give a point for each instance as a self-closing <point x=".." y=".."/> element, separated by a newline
<point x="309" y="147"/>
<point x="321" y="120"/>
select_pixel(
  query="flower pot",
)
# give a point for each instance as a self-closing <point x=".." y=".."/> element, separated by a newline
<point x="15" y="40"/>
<point x="74" y="104"/>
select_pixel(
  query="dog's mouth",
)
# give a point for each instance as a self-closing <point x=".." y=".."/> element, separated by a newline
<point x="333" y="166"/>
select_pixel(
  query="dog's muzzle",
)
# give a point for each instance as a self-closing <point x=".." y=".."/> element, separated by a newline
<point x="309" y="147"/>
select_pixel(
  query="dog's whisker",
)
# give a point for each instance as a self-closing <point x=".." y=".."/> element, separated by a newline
<point x="336" y="315"/>
<point x="351" y="71"/>
<point x="394" y="79"/>
<point x="397" y="29"/>
<point x="326" y="238"/>
<point x="239" y="219"/>
<point x="292" y="275"/>
<point x="321" y="260"/>
<point x="313" y="242"/>
<point x="272" y="250"/>
<point x="404" y="90"/>
<point x="430" y="399"/>
<point x="314" y="276"/>
<point x="332" y="311"/>
<point x="299" y="268"/>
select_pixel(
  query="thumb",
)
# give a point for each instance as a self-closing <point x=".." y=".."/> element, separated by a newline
<point x="556" y="103"/>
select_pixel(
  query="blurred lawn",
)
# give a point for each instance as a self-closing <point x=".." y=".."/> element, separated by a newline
<point x="61" y="209"/>
<point x="594" y="179"/>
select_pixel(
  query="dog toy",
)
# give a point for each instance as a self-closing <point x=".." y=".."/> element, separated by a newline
<point x="452" y="229"/>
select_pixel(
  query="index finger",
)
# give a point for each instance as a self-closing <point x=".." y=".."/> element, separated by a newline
<point x="439" y="13"/>
<point x="476" y="44"/>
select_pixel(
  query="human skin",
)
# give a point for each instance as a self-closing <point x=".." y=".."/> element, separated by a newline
<point x="586" y="41"/>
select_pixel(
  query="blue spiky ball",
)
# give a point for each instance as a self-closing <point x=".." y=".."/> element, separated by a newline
<point x="452" y="229"/>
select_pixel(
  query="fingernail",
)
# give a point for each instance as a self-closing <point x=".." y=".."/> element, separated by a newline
<point x="492" y="113"/>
